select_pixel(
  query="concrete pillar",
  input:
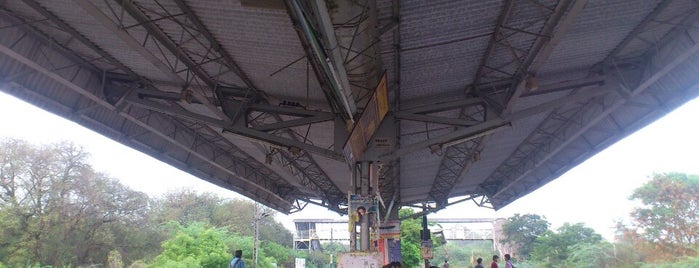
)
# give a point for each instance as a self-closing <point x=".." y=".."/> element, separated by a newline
<point x="364" y="177"/>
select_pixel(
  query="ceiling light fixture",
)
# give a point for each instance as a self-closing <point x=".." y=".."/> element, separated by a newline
<point x="532" y="83"/>
<point x="186" y="95"/>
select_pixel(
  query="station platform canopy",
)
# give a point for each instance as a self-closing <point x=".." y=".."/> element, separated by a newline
<point x="482" y="100"/>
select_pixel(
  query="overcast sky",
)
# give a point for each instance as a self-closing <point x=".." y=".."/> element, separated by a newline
<point x="595" y="193"/>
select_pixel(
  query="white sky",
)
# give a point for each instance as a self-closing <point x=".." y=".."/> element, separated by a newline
<point x="595" y="193"/>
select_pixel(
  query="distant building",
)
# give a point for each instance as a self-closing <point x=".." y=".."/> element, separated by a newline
<point x="312" y="233"/>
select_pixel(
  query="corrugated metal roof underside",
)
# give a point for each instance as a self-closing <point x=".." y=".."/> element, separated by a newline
<point x="442" y="45"/>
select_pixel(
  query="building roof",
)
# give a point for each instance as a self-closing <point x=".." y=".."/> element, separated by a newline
<point x="487" y="100"/>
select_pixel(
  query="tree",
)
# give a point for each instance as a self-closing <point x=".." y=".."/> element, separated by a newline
<point x="274" y="231"/>
<point x="334" y="247"/>
<point x="236" y="215"/>
<point x="194" y="245"/>
<point x="682" y="262"/>
<point x="554" y="248"/>
<point x="520" y="231"/>
<point x="464" y="253"/>
<point x="317" y="259"/>
<point x="592" y="255"/>
<point x="56" y="209"/>
<point x="279" y="254"/>
<point x="114" y="260"/>
<point x="409" y="238"/>
<point x="188" y="205"/>
<point x="667" y="220"/>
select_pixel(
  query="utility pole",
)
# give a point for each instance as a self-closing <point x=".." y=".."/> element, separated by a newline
<point x="256" y="237"/>
<point x="259" y="214"/>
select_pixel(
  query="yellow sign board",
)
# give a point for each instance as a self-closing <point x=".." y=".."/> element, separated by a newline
<point x="374" y="113"/>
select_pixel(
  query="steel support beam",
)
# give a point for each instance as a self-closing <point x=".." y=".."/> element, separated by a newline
<point x="265" y="186"/>
<point x="462" y="135"/>
<point x="303" y="164"/>
<point x="502" y="20"/>
<point x="566" y="85"/>
<point x="296" y="162"/>
<point x="635" y="33"/>
<point x="307" y="116"/>
<point x="389" y="176"/>
<point x="75" y="34"/>
<point x="228" y="59"/>
<point x="136" y="45"/>
<point x="458" y="158"/>
<point x="555" y="146"/>
<point x="300" y="163"/>
<point x="420" y="113"/>
<point x="295" y="123"/>
<point x="441" y="106"/>
<point x="325" y="62"/>
<point x="286" y="110"/>
<point x="332" y="46"/>
<point x="458" y="122"/>
<point x="251" y="134"/>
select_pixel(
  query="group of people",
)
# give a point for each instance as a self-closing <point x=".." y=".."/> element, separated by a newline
<point x="479" y="263"/>
<point x="494" y="264"/>
<point x="237" y="262"/>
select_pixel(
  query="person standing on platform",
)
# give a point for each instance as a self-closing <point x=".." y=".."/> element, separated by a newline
<point x="237" y="261"/>
<point x="479" y="263"/>
<point x="508" y="262"/>
<point x="494" y="264"/>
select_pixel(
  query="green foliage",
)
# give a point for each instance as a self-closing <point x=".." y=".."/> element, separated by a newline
<point x="184" y="262"/>
<point x="114" y="260"/>
<point x="317" y="259"/>
<point x="592" y="255"/>
<point x="277" y="253"/>
<point x="139" y="264"/>
<point x="12" y="237"/>
<point x="334" y="247"/>
<point x="667" y="220"/>
<point x="274" y="231"/>
<point x="243" y="243"/>
<point x="682" y="262"/>
<point x="464" y="253"/>
<point x="138" y="240"/>
<point x="409" y="238"/>
<point x="521" y="231"/>
<point x="552" y="248"/>
<point x="235" y="215"/>
<point x="194" y="246"/>
<point x="56" y="209"/>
